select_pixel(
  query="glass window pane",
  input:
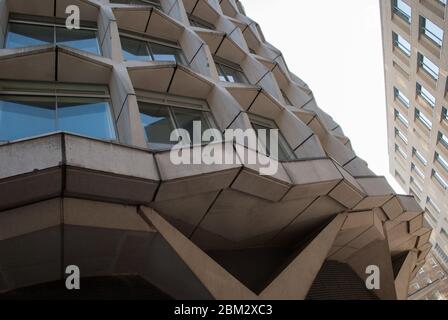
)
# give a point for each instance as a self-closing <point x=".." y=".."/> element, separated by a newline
<point x="198" y="22"/>
<point x="25" y="35"/>
<point x="186" y="117"/>
<point x="85" y="116"/>
<point x="442" y="161"/>
<point x="443" y="139"/>
<point x="138" y="2"/>
<point x="221" y="74"/>
<point x="284" y="151"/>
<point x="233" y="75"/>
<point x="158" y="125"/>
<point x="403" y="10"/>
<point x="402" y="43"/>
<point x="426" y="95"/>
<point x="400" y="96"/>
<point x="85" y="40"/>
<point x="431" y="68"/>
<point x="165" y="53"/>
<point x="22" y="117"/>
<point x="424" y="119"/>
<point x="402" y="118"/>
<point x="134" y="49"/>
<point x="432" y="31"/>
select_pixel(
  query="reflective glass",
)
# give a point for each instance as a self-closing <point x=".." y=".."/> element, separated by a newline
<point x="26" y="35"/>
<point x="165" y="53"/>
<point x="284" y="151"/>
<point x="186" y="117"/>
<point x="86" y="116"/>
<point x="434" y="32"/>
<point x="134" y="49"/>
<point x="82" y="39"/>
<point x="232" y="75"/>
<point x="22" y="117"/>
<point x="158" y="125"/>
<point x="138" y="2"/>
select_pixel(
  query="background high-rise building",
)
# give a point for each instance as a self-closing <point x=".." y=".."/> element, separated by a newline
<point x="416" y="60"/>
<point x="86" y="177"/>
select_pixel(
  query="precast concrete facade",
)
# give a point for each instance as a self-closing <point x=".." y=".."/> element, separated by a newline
<point x="415" y="58"/>
<point x="116" y="206"/>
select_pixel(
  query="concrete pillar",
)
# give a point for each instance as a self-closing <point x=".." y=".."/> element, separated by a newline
<point x="221" y="284"/>
<point x="296" y="280"/>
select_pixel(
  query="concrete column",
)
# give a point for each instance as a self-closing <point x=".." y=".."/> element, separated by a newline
<point x="403" y="277"/>
<point x="377" y="254"/>
<point x="296" y="280"/>
<point x="109" y="36"/>
<point x="221" y="284"/>
<point x="126" y="112"/>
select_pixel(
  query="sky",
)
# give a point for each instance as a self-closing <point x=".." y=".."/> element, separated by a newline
<point x="336" y="48"/>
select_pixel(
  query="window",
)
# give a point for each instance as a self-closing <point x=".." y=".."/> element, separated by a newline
<point x="419" y="156"/>
<point x="433" y="205"/>
<point x="30" y="109"/>
<point x="400" y="151"/>
<point x="142" y="50"/>
<point x="26" y="31"/>
<point x="160" y="120"/>
<point x="402" y="9"/>
<point x="444" y="114"/>
<point x="413" y="193"/>
<point x="401" y="135"/>
<point x="417" y="170"/>
<point x="428" y="66"/>
<point x="416" y="184"/>
<point x="230" y="72"/>
<point x="443" y="139"/>
<point x="154" y="3"/>
<point x="431" y="31"/>
<point x="401" y="97"/>
<point x="439" y="179"/>
<point x="200" y="23"/>
<point x="441" y="253"/>
<point x="442" y="161"/>
<point x="401" y="43"/>
<point x="432" y="219"/>
<point x="285" y="153"/>
<point x="423" y="119"/>
<point x="402" y="118"/>
<point x="426" y="95"/>
<point x="444" y="234"/>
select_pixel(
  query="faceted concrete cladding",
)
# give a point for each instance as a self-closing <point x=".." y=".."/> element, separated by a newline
<point x="194" y="231"/>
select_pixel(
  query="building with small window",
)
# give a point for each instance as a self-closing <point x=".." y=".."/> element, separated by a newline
<point x="415" y="49"/>
<point x="90" y="119"/>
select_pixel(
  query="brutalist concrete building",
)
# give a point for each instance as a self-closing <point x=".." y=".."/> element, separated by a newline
<point x="415" y="52"/>
<point x="86" y="177"/>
